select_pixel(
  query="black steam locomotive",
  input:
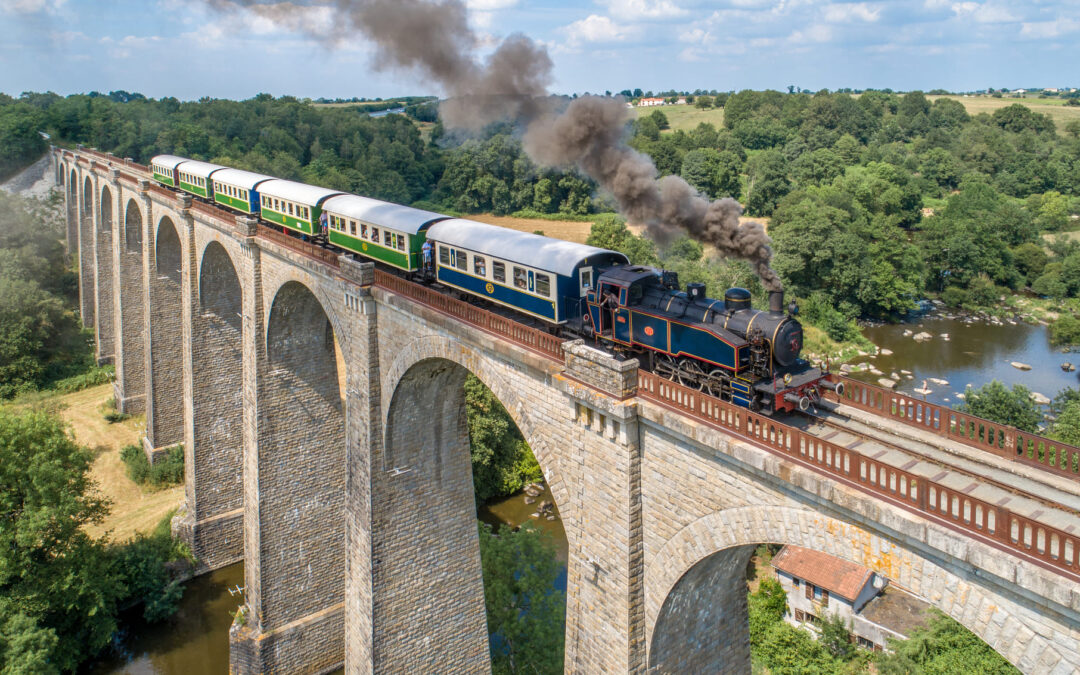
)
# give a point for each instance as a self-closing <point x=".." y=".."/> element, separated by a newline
<point x="721" y="347"/>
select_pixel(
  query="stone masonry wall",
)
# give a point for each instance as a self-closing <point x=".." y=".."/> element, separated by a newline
<point x="87" y="305"/>
<point x="130" y="383"/>
<point x="428" y="588"/>
<point x="103" y="273"/>
<point x="702" y="626"/>
<point x="164" y="374"/>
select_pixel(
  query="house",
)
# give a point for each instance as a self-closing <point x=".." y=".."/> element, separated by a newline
<point x="680" y="101"/>
<point x="648" y="102"/>
<point x="819" y="586"/>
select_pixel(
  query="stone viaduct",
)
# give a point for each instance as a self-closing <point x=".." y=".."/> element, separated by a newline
<point x="320" y="408"/>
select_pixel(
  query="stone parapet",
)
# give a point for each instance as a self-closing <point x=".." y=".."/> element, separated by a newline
<point x="599" y="369"/>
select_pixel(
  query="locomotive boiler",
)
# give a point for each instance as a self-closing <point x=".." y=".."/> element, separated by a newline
<point x="724" y="348"/>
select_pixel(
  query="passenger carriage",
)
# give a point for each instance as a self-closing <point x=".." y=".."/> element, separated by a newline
<point x="295" y="206"/>
<point x="390" y="233"/>
<point x="237" y="189"/>
<point x="194" y="177"/>
<point x="543" y="277"/>
<point x="163" y="168"/>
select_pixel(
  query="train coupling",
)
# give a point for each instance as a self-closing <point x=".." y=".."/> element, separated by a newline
<point x="800" y="402"/>
<point x="837" y="387"/>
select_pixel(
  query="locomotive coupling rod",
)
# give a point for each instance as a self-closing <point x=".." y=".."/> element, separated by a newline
<point x="802" y="402"/>
<point x="838" y="387"/>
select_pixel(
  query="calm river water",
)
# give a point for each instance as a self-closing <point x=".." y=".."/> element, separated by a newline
<point x="196" y="638"/>
<point x="975" y="354"/>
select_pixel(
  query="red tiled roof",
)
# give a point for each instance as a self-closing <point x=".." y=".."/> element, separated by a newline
<point x="838" y="577"/>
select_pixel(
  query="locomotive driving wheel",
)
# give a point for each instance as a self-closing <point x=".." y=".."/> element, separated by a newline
<point x="666" y="367"/>
<point x="691" y="375"/>
<point x="715" y="384"/>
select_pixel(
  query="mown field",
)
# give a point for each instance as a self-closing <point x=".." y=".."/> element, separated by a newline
<point x="686" y="117"/>
<point x="1054" y="107"/>
<point x="133" y="508"/>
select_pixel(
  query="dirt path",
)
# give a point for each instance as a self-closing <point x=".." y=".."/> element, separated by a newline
<point x="134" y="509"/>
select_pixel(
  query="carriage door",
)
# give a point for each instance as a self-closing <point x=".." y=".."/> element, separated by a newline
<point x="607" y="298"/>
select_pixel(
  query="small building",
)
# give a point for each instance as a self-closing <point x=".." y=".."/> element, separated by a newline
<point x="680" y="101"/>
<point x="819" y="586"/>
<point x="649" y="102"/>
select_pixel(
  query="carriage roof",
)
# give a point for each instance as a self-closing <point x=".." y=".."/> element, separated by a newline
<point x="240" y="178"/>
<point x="168" y="161"/>
<point x="296" y="192"/>
<point x="394" y="216"/>
<point x="199" y="169"/>
<point x="553" y="255"/>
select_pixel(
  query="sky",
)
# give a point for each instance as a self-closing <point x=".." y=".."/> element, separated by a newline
<point x="185" y="49"/>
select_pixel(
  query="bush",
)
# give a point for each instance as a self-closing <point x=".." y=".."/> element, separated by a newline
<point x="954" y="296"/>
<point x="97" y="375"/>
<point x="982" y="292"/>
<point x="167" y="471"/>
<point x="819" y="311"/>
<point x="143" y="565"/>
<point x="996" y="403"/>
<point x="1065" y="331"/>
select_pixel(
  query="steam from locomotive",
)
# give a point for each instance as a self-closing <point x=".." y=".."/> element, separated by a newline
<point x="433" y="37"/>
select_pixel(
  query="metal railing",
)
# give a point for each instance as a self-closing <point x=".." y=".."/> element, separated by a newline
<point x="1054" y="548"/>
<point x="531" y="338"/>
<point x="306" y="248"/>
<point x="999" y="439"/>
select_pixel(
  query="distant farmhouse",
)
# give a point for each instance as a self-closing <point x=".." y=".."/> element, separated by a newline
<point x="819" y="586"/>
<point x="649" y="102"/>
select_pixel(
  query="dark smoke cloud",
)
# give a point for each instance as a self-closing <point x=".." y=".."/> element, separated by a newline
<point x="433" y="38"/>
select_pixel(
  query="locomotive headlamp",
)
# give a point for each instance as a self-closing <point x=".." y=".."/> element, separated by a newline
<point x="787" y="378"/>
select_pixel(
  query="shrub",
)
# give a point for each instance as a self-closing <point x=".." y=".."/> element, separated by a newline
<point x="954" y="296"/>
<point x="1065" y="331"/>
<point x="134" y="458"/>
<point x="97" y="375"/>
<point x="143" y="564"/>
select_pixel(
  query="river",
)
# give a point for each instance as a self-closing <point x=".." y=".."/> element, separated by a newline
<point x="196" y="638"/>
<point x="975" y="353"/>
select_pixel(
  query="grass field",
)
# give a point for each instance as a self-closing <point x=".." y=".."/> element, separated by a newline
<point x="133" y="509"/>
<point x="1054" y="107"/>
<point x="686" y="117"/>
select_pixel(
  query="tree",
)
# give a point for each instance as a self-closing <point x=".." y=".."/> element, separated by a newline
<point x="610" y="232"/>
<point x="836" y="638"/>
<point x="57" y="585"/>
<point x="1030" y="259"/>
<point x="943" y="646"/>
<point x="1067" y="425"/>
<point x="766" y="606"/>
<point x="1065" y="331"/>
<point x="996" y="403"/>
<point x="526" y="613"/>
<point x="660" y="118"/>
<point x="703" y="102"/>
<point x="502" y="461"/>
<point x="767" y="182"/>
<point x="701" y="168"/>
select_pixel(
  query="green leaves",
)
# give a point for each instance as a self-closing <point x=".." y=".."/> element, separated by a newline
<point x="1004" y="406"/>
<point x="502" y="461"/>
<point x="526" y="614"/>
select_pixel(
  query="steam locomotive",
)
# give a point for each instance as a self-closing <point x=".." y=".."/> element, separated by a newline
<point x="721" y="347"/>
<point x="724" y="348"/>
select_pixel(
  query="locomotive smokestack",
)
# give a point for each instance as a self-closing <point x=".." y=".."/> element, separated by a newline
<point x="776" y="302"/>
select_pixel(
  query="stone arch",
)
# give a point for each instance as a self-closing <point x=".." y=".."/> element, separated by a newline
<point x="301" y="432"/>
<point x="437" y="347"/>
<point x="105" y="206"/>
<point x="213" y="451"/>
<point x="169" y="253"/>
<point x="133" y="225"/>
<point x="677" y="584"/>
<point x="88" y="198"/>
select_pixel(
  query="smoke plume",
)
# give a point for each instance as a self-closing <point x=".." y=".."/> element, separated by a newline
<point x="433" y="38"/>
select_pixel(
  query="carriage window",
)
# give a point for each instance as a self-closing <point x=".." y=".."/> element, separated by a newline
<point x="444" y="255"/>
<point x="635" y="294"/>
<point x="521" y="278"/>
<point x="401" y="242"/>
<point x="462" y="261"/>
<point x="498" y="271"/>
<point x="352" y="227"/>
<point x="586" y="278"/>
<point x="375" y="234"/>
<point x="543" y="285"/>
<point x="363" y="229"/>
<point x="388" y="239"/>
<point x="479" y="266"/>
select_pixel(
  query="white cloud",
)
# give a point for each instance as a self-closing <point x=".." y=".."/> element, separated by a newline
<point x="30" y="6"/>
<point x="843" y="13"/>
<point x="1049" y="29"/>
<point x="597" y="29"/>
<point x="816" y="33"/>
<point x="982" y="13"/>
<point x="640" y="10"/>
<point x="695" y="35"/>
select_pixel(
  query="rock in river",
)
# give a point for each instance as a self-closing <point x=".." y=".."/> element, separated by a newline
<point x="1039" y="399"/>
<point x="1020" y="366"/>
<point x="886" y="382"/>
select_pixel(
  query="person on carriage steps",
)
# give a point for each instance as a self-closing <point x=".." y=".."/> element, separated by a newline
<point x="323" y="226"/>
<point x="427" y="249"/>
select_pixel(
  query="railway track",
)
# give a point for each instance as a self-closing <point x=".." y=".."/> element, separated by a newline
<point x="986" y="481"/>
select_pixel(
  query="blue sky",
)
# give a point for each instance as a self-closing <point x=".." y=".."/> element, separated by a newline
<point x="181" y="48"/>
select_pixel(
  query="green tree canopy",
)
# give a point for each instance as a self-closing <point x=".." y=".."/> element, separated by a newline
<point x="999" y="404"/>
